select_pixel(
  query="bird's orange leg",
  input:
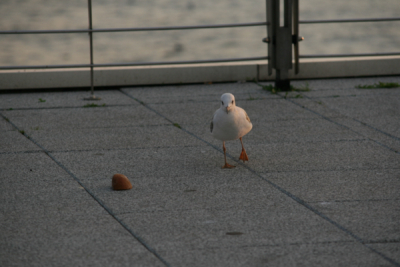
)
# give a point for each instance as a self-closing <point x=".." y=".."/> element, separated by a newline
<point x="228" y="166"/>
<point x="243" y="155"/>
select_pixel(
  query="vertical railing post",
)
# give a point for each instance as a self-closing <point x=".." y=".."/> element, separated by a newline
<point x="280" y="40"/>
<point x="92" y="96"/>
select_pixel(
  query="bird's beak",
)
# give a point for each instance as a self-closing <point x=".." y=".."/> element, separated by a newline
<point x="228" y="108"/>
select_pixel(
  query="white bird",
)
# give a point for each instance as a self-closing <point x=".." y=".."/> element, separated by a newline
<point x="230" y="123"/>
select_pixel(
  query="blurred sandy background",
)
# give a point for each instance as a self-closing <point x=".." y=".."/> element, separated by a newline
<point x="183" y="45"/>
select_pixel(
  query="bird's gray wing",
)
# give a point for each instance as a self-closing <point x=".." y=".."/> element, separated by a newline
<point x="212" y="122"/>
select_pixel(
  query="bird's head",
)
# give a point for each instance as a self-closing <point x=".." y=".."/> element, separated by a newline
<point x="227" y="102"/>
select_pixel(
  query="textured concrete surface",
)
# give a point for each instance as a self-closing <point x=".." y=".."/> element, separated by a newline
<point x="322" y="187"/>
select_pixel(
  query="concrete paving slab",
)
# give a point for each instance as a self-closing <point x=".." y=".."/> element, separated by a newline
<point x="380" y="112"/>
<point x="110" y="138"/>
<point x="371" y="220"/>
<point x="185" y="193"/>
<point x="39" y="199"/>
<point x="176" y="194"/>
<point x="187" y="113"/>
<point x="288" y="131"/>
<point x="158" y="192"/>
<point x="349" y="93"/>
<point x="205" y="99"/>
<point x="391" y="249"/>
<point x="284" y="157"/>
<point x="79" y="118"/>
<point x="196" y="93"/>
<point x="5" y="126"/>
<point x="48" y="219"/>
<point x="317" y="107"/>
<point x="356" y="125"/>
<point x="33" y="185"/>
<point x="194" y="185"/>
<point x="339" y="186"/>
<point x="14" y="141"/>
<point x="186" y="230"/>
<point x="373" y="133"/>
<point x="318" y="254"/>
<point x="67" y="240"/>
<point x="344" y="84"/>
<point x="378" y="127"/>
<point x="275" y="109"/>
<point x="62" y="99"/>
<point x="259" y="111"/>
<point x="345" y="87"/>
<point x="33" y="164"/>
<point x="145" y="164"/>
<point x="182" y="202"/>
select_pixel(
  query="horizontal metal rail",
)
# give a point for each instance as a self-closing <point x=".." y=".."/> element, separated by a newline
<point x="352" y="55"/>
<point x="166" y="28"/>
<point x="133" y="64"/>
<point x="348" y="20"/>
<point x="192" y="27"/>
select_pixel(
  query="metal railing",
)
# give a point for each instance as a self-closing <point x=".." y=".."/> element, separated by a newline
<point x="90" y="31"/>
<point x="140" y="29"/>
<point x="350" y="21"/>
<point x="281" y="38"/>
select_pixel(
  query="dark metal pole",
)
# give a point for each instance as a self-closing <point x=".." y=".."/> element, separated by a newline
<point x="284" y="47"/>
<point x="280" y="40"/>
<point x="92" y="96"/>
<point x="271" y="14"/>
<point x="296" y="37"/>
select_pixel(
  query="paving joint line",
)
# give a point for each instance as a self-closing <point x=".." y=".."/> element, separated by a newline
<point x="94" y="150"/>
<point x="327" y="170"/>
<point x="145" y="105"/>
<point x="282" y="190"/>
<point x="104" y="127"/>
<point x="120" y="149"/>
<point x="68" y="107"/>
<point x="148" y="211"/>
<point x="355" y="200"/>
<point x="326" y="242"/>
<point x="272" y="245"/>
<point x="206" y="101"/>
<point x="361" y="122"/>
<point x="376" y="129"/>
<point x="340" y="96"/>
<point x="21" y="152"/>
<point x="344" y="126"/>
<point x="326" y="217"/>
<point x="384" y="241"/>
<point x="98" y="200"/>
<point x="286" y="244"/>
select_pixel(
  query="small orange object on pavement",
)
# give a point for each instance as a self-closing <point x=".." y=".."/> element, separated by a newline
<point x="121" y="182"/>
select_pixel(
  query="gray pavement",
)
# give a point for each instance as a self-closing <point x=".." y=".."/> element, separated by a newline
<point x="322" y="187"/>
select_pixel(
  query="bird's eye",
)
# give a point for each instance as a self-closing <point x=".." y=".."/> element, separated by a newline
<point x="222" y="102"/>
<point x="232" y="101"/>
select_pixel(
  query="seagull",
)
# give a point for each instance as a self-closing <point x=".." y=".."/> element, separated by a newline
<point x="230" y="123"/>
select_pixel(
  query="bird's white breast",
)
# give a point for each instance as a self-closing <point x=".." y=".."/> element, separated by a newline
<point x="231" y="125"/>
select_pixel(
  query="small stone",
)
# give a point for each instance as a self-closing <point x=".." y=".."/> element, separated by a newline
<point x="121" y="182"/>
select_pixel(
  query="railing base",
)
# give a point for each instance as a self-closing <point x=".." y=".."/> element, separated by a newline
<point x="283" y="85"/>
<point x="200" y="73"/>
